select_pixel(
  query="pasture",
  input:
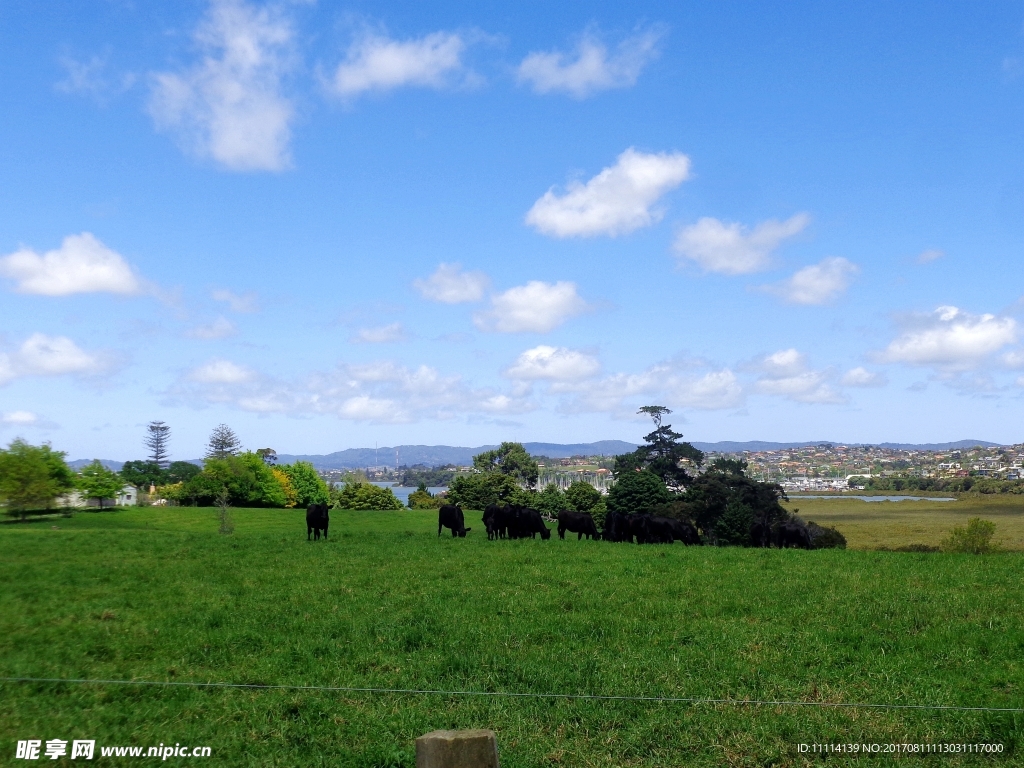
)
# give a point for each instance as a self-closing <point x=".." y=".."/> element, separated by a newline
<point x="876" y="524"/>
<point x="158" y="594"/>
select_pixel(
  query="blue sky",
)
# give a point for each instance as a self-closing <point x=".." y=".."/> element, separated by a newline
<point x="331" y="225"/>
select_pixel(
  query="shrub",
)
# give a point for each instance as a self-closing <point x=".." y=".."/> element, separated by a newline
<point x="975" y="539"/>
<point x="364" y="496"/>
<point x="550" y="501"/>
<point x="478" y="490"/>
<point x="309" y="487"/>
<point x="421" y="498"/>
<point x="825" y="538"/>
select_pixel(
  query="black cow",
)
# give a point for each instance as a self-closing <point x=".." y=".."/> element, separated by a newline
<point x="316" y="521"/>
<point x="580" y="523"/>
<point x="792" y="534"/>
<point x="616" y="527"/>
<point x="684" y="531"/>
<point x="658" y="530"/>
<point x="524" y="522"/>
<point x="493" y="520"/>
<point x="450" y="516"/>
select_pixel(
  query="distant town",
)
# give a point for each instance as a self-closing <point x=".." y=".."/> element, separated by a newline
<point x="823" y="467"/>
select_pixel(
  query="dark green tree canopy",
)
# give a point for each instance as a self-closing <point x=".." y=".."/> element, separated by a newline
<point x="509" y="459"/>
<point x="729" y="507"/>
<point x="477" y="491"/>
<point x="664" y="453"/>
<point x="182" y="471"/>
<point x="637" y="493"/>
<point x="143" y="474"/>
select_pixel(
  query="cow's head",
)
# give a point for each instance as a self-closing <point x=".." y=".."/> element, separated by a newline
<point x="461" y="532"/>
<point x="545" y="532"/>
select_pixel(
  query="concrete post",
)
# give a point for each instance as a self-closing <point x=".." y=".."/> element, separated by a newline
<point x="476" y="748"/>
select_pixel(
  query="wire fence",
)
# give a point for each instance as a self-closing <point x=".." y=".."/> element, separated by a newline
<point x="694" y="700"/>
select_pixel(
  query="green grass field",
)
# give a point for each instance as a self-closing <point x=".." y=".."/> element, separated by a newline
<point x="158" y="594"/>
<point x="871" y="525"/>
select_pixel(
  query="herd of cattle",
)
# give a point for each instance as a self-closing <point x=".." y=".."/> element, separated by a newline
<point x="511" y="521"/>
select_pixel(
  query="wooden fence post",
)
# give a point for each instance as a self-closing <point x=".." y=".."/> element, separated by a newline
<point x="476" y="748"/>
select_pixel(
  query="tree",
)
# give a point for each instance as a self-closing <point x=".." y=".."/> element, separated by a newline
<point x="269" y="455"/>
<point x="364" y="496"/>
<point x="637" y="492"/>
<point x="477" y="491"/>
<point x="223" y="443"/>
<point x="290" y="496"/>
<point x="32" y="477"/>
<point x="730" y="507"/>
<point x="143" y="474"/>
<point x="97" y="482"/>
<point x="550" y="501"/>
<point x="310" y="488"/>
<point x="509" y="459"/>
<point x="421" y="498"/>
<point x="664" y="453"/>
<point x="249" y="482"/>
<point x="182" y="471"/>
<point x="157" y="437"/>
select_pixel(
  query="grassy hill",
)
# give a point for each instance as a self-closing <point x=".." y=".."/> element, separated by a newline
<point x="157" y="594"/>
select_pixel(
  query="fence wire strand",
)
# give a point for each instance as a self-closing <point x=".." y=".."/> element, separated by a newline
<point x="513" y="695"/>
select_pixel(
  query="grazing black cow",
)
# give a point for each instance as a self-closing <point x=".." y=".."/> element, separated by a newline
<point x="616" y="527"/>
<point x="580" y="523"/>
<point x="658" y="530"/>
<point x="525" y="522"/>
<point x="450" y="516"/>
<point x="792" y="534"/>
<point x="316" y="521"/>
<point x="493" y="521"/>
<point x="684" y="531"/>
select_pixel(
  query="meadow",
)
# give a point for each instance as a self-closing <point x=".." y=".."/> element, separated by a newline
<point x="157" y="594"/>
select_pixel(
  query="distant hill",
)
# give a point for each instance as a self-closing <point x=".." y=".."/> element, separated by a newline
<point x="439" y="455"/>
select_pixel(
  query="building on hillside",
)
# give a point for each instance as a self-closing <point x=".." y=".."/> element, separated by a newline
<point x="128" y="497"/>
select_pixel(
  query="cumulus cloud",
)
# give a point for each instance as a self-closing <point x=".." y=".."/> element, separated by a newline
<point x="817" y="284"/>
<point x="221" y="372"/>
<point x="926" y="257"/>
<point x="18" y="418"/>
<point x="42" y="355"/>
<point x="243" y="303"/>
<point x="382" y="335"/>
<point x="553" y="363"/>
<point x="450" y="285"/>
<point x="536" y="307"/>
<point x="82" y="264"/>
<point x="679" y="384"/>
<point x="862" y="377"/>
<point x="381" y="391"/>
<point x="619" y="200"/>
<point x="733" y="249"/>
<point x="379" y="63"/>
<point x="950" y="339"/>
<point x="230" y="107"/>
<point x="590" y="68"/>
<point x="220" y="328"/>
<point x="786" y="374"/>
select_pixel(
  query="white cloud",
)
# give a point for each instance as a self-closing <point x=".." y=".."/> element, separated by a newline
<point x="862" y="377"/>
<point x="536" y="307"/>
<point x="450" y="285"/>
<point x="42" y="355"/>
<point x="926" y="257"/>
<point x="243" y="303"/>
<point x="950" y="339"/>
<point x="590" y="69"/>
<point x="733" y="250"/>
<point x="377" y="63"/>
<point x="817" y="284"/>
<point x="82" y="264"/>
<point x="19" y="418"/>
<point x="712" y="391"/>
<point x="383" y="335"/>
<point x="221" y="372"/>
<point x="230" y="107"/>
<point x="380" y="391"/>
<point x="617" y="201"/>
<point x="786" y="374"/>
<point x="554" y="363"/>
<point x="220" y="328"/>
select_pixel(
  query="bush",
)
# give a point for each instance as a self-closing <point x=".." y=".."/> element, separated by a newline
<point x="637" y="492"/>
<point x="478" y="490"/>
<point x="825" y="538"/>
<point x="975" y="539"/>
<point x="309" y="487"/>
<point x="421" y="498"/>
<point x="364" y="496"/>
<point x="550" y="501"/>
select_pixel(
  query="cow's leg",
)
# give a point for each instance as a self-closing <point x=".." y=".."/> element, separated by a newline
<point x="309" y="533"/>
<point x="438" y="527"/>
